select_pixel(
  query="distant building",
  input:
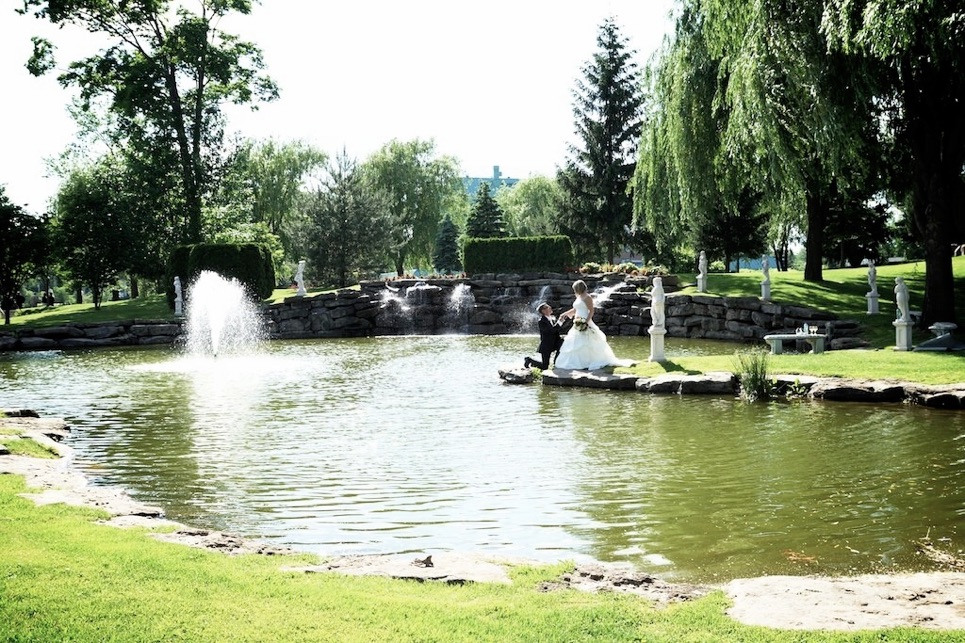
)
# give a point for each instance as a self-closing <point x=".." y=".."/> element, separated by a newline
<point x="495" y="182"/>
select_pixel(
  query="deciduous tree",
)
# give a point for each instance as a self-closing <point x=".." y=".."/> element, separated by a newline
<point x="166" y="72"/>
<point x="530" y="207"/>
<point x="921" y="46"/>
<point x="21" y="245"/>
<point x="420" y="188"/>
<point x="92" y="232"/>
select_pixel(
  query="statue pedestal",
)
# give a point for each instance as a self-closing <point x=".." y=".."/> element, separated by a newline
<point x="766" y="290"/>
<point x="301" y="292"/>
<point x="701" y="283"/>
<point x="872" y="298"/>
<point x="903" y="334"/>
<point x="178" y="309"/>
<point x="656" y="344"/>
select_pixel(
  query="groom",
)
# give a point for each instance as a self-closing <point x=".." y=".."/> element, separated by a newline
<point x="549" y="338"/>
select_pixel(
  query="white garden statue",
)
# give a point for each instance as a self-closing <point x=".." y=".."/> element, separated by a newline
<point x="178" y="298"/>
<point x="658" y="320"/>
<point x="766" y="282"/>
<point x="901" y="300"/>
<point x="300" y="279"/>
<point x="872" y="295"/>
<point x="702" y="272"/>
<point x="657" y="303"/>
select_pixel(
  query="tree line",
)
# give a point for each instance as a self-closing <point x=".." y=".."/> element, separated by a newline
<point x="757" y="127"/>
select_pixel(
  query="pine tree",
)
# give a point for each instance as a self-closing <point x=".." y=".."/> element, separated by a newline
<point x="597" y="211"/>
<point x="446" y="255"/>
<point x="486" y="218"/>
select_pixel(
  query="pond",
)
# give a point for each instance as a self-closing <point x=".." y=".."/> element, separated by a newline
<point x="413" y="444"/>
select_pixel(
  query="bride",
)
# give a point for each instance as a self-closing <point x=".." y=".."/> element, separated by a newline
<point x="585" y="346"/>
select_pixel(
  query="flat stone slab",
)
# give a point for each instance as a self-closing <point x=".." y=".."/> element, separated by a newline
<point x="930" y="601"/>
<point x="600" y="378"/>
<point x="449" y="567"/>
<point x="711" y="383"/>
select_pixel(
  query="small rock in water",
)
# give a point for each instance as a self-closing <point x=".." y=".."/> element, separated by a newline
<point x="516" y="375"/>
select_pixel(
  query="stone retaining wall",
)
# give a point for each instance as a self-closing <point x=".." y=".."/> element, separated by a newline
<point x="488" y="304"/>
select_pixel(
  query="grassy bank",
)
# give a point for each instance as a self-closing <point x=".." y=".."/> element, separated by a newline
<point x="62" y="578"/>
<point x="842" y="292"/>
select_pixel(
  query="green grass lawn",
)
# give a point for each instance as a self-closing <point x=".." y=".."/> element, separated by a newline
<point x="65" y="578"/>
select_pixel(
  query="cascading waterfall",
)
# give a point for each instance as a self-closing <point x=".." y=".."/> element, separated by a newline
<point x="459" y="307"/>
<point x="222" y="318"/>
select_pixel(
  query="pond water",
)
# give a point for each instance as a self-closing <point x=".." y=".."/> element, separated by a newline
<point x="413" y="444"/>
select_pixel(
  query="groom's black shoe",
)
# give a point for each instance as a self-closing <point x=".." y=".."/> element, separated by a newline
<point x="528" y="363"/>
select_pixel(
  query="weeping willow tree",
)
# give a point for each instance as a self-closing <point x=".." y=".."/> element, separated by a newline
<point x="750" y="114"/>
<point x="686" y="192"/>
<point x="920" y="47"/>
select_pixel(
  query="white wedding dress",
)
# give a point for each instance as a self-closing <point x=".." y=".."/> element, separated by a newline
<point x="587" y="348"/>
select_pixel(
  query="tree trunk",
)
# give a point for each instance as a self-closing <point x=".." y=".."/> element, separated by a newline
<point x="935" y="221"/>
<point x="817" y="212"/>
<point x="78" y="294"/>
<point x="936" y="136"/>
<point x="135" y="291"/>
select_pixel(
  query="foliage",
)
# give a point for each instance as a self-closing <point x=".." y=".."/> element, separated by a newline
<point x="445" y="257"/>
<point x="552" y="254"/>
<point x="596" y="210"/>
<point x="485" y="218"/>
<point x="167" y="72"/>
<point x="751" y="122"/>
<point x="349" y="225"/>
<point x="93" y="232"/>
<point x="273" y="174"/>
<point x="751" y="370"/>
<point x="858" y="232"/>
<point x="21" y="250"/>
<point x="530" y="207"/>
<point x="420" y="189"/>
<point x="249" y="263"/>
<point x="257" y="233"/>
<point x="920" y="52"/>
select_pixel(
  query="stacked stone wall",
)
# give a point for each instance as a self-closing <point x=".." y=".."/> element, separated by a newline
<point x="489" y="304"/>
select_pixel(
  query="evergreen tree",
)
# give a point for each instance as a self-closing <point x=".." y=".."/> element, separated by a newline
<point x="486" y="218"/>
<point x="597" y="211"/>
<point x="446" y="255"/>
<point x="350" y="220"/>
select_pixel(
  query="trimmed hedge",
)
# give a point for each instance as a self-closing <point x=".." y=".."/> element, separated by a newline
<point x="249" y="263"/>
<point x="507" y="254"/>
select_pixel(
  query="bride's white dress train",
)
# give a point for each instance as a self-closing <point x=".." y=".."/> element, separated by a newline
<point x="587" y="348"/>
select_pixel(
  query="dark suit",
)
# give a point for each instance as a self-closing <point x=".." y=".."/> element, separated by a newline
<point x="549" y="343"/>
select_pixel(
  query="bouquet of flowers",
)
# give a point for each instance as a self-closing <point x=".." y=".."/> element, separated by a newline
<point x="579" y="323"/>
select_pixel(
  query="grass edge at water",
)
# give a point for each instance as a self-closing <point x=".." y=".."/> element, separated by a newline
<point x="63" y="577"/>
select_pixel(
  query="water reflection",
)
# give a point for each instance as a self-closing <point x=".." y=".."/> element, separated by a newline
<point x="413" y="444"/>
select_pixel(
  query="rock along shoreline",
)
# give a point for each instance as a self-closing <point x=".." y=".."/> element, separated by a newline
<point x="946" y="396"/>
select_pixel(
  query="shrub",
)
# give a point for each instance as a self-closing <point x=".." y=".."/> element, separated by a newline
<point x="549" y="253"/>
<point x="751" y="370"/>
<point x="249" y="263"/>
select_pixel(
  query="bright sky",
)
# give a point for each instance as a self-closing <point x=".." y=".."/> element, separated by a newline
<point x="491" y="83"/>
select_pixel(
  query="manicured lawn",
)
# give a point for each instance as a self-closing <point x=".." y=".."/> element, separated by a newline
<point x="64" y="578"/>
